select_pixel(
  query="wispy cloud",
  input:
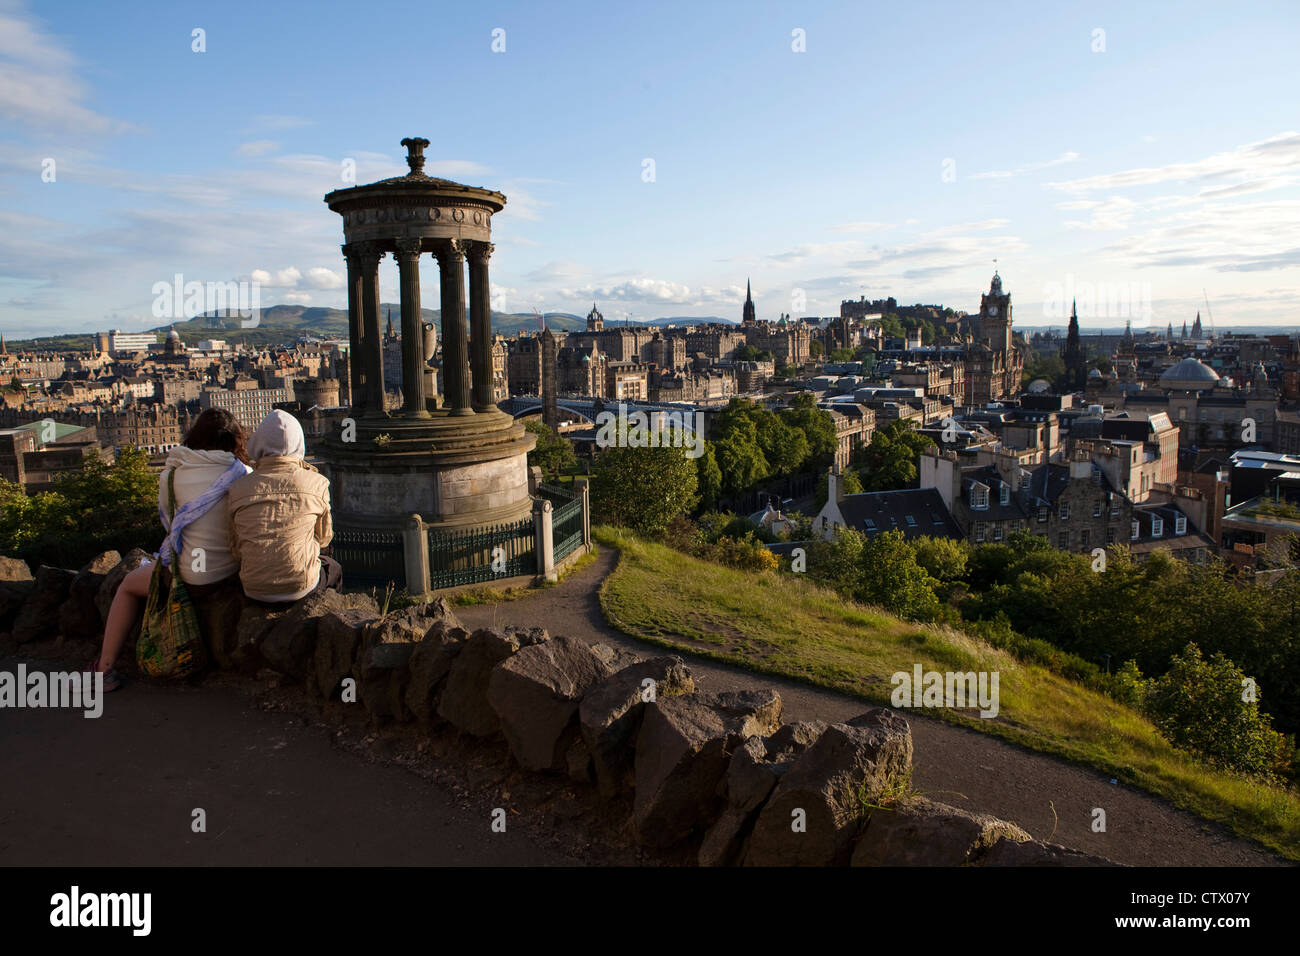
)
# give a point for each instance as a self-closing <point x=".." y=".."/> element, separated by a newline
<point x="1027" y="168"/>
<point x="1252" y="161"/>
<point x="41" y="89"/>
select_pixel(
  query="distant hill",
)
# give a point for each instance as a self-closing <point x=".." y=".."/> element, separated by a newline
<point x="282" y="323"/>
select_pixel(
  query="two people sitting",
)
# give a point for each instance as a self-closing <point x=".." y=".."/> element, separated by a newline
<point x="265" y="524"/>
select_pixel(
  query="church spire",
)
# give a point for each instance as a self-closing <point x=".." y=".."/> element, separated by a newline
<point x="748" y="316"/>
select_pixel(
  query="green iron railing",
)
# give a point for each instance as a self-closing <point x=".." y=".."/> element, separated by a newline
<point x="566" y="529"/>
<point x="480" y="555"/>
<point x="370" y="557"/>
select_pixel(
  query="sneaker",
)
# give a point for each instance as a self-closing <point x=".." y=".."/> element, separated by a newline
<point x="112" y="679"/>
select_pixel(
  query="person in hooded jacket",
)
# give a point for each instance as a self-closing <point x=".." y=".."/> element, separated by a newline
<point x="199" y="468"/>
<point x="280" y="517"/>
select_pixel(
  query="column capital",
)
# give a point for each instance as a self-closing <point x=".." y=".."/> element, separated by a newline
<point x="479" y="251"/>
<point x="407" y="248"/>
<point x="366" y="251"/>
<point x="451" y="252"/>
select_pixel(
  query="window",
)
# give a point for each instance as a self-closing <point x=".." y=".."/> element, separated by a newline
<point x="1004" y="494"/>
<point x="1096" y="508"/>
<point x="1133" y="532"/>
<point x="979" y="532"/>
<point x="1157" y="526"/>
<point x="871" y="525"/>
<point x="997" y="532"/>
<point x="1180" y="524"/>
<point x="1083" y="538"/>
<point x="979" y="496"/>
<point x="1042" y="515"/>
<point x="1063" y="540"/>
<point x="1110" y="535"/>
<point x="1065" y="511"/>
<point x="911" y="522"/>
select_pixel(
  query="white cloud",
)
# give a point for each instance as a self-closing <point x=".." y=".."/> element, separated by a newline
<point x="1027" y="168"/>
<point x="322" y="278"/>
<point x="258" y="147"/>
<point x="1266" y="157"/>
<point x="297" y="298"/>
<point x="40" y="88"/>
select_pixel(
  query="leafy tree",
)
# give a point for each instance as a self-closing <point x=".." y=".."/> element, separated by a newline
<point x="816" y="349"/>
<point x="553" y="453"/>
<point x="942" y="558"/>
<point x="96" y="507"/>
<point x="891" y="460"/>
<point x="891" y="578"/>
<point x="841" y="355"/>
<point x="817" y="427"/>
<point x="708" y="476"/>
<point x="1206" y="707"/>
<point x="643" y="489"/>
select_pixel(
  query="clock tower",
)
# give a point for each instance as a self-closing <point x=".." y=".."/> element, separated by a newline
<point x="995" y="317"/>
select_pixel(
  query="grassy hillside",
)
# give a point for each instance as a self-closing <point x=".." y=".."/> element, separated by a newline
<point x="786" y="626"/>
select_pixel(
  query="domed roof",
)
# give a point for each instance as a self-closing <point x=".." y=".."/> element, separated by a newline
<point x="1040" y="385"/>
<point x="1189" y="375"/>
<point x="174" y="336"/>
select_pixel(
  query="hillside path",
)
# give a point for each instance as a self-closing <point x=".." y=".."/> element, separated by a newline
<point x="1044" y="795"/>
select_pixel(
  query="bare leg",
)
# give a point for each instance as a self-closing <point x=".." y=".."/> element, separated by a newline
<point x="124" y="612"/>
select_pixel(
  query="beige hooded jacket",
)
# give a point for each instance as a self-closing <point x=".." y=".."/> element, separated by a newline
<point x="279" y="514"/>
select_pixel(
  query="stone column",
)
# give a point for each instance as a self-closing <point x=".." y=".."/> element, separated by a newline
<point x="543" y="540"/>
<point x="356" y="373"/>
<point x="480" y="312"/>
<point x="369" y="254"/>
<point x="408" y="264"/>
<point x="415" y="551"/>
<point x="583" y="489"/>
<point x="455" y="347"/>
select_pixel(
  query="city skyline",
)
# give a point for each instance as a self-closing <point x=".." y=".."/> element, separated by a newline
<point x="1099" y="175"/>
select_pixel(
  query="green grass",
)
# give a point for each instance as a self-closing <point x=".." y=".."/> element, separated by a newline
<point x="486" y="594"/>
<point x="784" y="625"/>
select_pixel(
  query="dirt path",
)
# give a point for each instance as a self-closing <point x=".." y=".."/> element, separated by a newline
<point x="1046" y="796"/>
<point x="121" y="790"/>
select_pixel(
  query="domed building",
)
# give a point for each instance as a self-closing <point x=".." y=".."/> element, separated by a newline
<point x="1189" y="375"/>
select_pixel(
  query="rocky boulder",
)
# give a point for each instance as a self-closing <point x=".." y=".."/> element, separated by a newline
<point x="255" y="622"/>
<point x="38" y="618"/>
<point x="411" y="624"/>
<point x="920" y="832"/>
<point x="219" y="611"/>
<point x="1038" y="853"/>
<point x="817" y="808"/>
<point x="610" y="715"/>
<point x="535" y="693"/>
<point x="290" y="645"/>
<point x="429" y="665"/>
<point x="759" y="711"/>
<point x="682" y="752"/>
<point x="382" y="675"/>
<point x="79" y="618"/>
<point x="463" y="702"/>
<point x="338" y="636"/>
<point x="16" y="583"/>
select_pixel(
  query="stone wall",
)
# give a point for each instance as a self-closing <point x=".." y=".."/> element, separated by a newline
<point x="719" y="774"/>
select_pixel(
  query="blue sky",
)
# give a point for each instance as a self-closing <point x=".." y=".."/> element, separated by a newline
<point x="906" y="148"/>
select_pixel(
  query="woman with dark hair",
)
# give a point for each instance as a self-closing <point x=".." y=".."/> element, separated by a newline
<point x="198" y="473"/>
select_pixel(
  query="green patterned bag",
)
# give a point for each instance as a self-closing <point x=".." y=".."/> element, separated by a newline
<point x="171" y="643"/>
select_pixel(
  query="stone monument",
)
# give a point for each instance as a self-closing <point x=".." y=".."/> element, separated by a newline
<point x="464" y="463"/>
